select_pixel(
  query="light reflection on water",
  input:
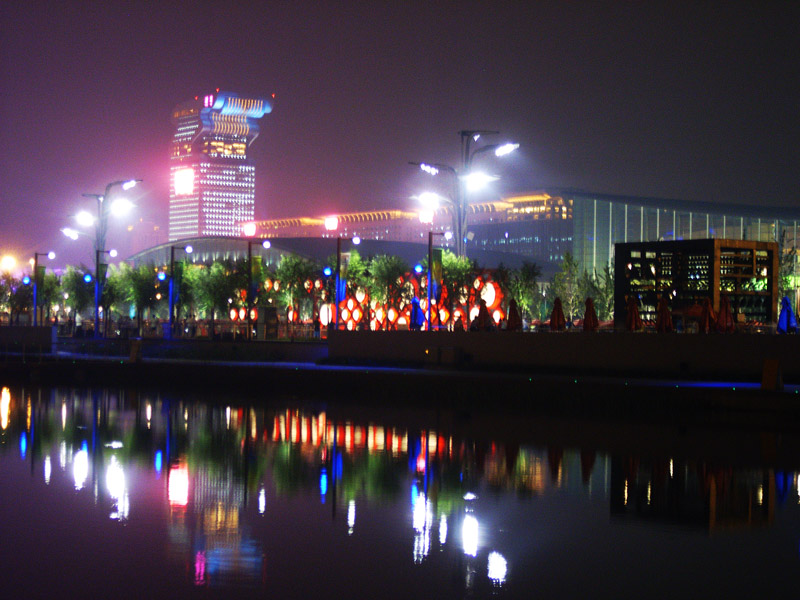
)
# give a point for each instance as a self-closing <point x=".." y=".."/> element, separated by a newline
<point x="164" y="496"/>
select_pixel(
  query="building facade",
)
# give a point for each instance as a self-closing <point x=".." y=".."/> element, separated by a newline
<point x="212" y="179"/>
<point x="544" y="226"/>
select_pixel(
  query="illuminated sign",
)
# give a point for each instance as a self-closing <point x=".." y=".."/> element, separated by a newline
<point x="183" y="181"/>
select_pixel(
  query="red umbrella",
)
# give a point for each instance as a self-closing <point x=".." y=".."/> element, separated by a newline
<point x="514" y="320"/>
<point x="590" y="322"/>
<point x="633" y="321"/>
<point x="557" y="320"/>
<point x="725" y="322"/>
<point x="663" y="317"/>
<point x="707" y="317"/>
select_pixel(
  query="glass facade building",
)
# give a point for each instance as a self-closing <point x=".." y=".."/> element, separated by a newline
<point x="212" y="180"/>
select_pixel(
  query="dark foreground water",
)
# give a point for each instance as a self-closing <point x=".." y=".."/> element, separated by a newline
<point x="124" y="494"/>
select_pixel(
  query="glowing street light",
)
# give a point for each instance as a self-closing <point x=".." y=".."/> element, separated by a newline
<point x="7" y="263"/>
<point x="464" y="180"/>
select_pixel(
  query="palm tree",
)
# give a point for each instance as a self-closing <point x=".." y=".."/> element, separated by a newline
<point x="522" y="286"/>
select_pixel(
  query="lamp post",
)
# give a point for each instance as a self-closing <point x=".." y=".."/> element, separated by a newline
<point x="337" y="292"/>
<point x="465" y="180"/>
<point x="51" y="255"/>
<point x="99" y="281"/>
<point x="250" y="291"/>
<point x="430" y="273"/>
<point x="172" y="294"/>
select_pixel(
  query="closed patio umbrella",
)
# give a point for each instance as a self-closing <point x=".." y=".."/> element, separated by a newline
<point x="590" y="322"/>
<point x="663" y="317"/>
<point x="725" y="322"/>
<point x="707" y="317"/>
<point x="633" y="322"/>
<point x="514" y="318"/>
<point x="557" y="320"/>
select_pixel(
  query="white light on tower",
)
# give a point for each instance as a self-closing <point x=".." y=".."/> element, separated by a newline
<point x="331" y="223"/>
<point x="121" y="206"/>
<point x="249" y="229"/>
<point x="183" y="181"/>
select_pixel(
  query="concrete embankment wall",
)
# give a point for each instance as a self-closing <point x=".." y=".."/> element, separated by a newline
<point x="18" y="338"/>
<point x="738" y="356"/>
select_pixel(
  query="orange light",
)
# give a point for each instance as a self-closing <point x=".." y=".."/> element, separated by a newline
<point x="267" y="284"/>
<point x="234" y="314"/>
<point x="254" y="314"/>
<point x="393" y="314"/>
<point x="242" y="314"/>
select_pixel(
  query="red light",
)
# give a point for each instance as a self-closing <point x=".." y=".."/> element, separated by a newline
<point x="218" y="90"/>
<point x="195" y="97"/>
<point x="273" y="96"/>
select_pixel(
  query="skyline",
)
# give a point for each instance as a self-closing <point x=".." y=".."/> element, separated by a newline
<point x="694" y="102"/>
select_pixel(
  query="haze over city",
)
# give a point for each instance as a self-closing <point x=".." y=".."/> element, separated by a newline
<point x="674" y="100"/>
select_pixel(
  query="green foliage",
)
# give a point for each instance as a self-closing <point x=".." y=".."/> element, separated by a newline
<point x="138" y="287"/>
<point x="786" y="268"/>
<point x="385" y="273"/>
<point x="458" y="273"/>
<point x="81" y="294"/>
<point x="49" y="292"/>
<point x="567" y="286"/>
<point x="293" y="271"/>
<point x="523" y="287"/>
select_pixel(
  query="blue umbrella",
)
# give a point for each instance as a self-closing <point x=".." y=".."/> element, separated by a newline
<point x="417" y="316"/>
<point x="787" y="323"/>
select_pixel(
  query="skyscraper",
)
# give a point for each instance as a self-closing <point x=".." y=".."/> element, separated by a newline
<point x="212" y="180"/>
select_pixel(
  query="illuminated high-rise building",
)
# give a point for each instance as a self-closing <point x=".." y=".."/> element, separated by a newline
<point x="212" y="180"/>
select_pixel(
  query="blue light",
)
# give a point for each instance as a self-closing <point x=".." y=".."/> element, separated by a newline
<point x="23" y="444"/>
<point x="87" y="278"/>
<point x="323" y="483"/>
<point x="417" y="269"/>
<point x="162" y="276"/>
<point x="158" y="461"/>
<point x="84" y="446"/>
<point x="327" y="271"/>
<point x="414" y="493"/>
<point x="26" y="280"/>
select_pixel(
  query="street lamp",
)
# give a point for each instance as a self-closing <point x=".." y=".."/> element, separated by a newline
<point x="172" y="294"/>
<point x="250" y="291"/>
<point x="104" y="208"/>
<point x="51" y="255"/>
<point x="465" y="180"/>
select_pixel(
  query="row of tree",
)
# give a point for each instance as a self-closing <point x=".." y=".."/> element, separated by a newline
<point x="210" y="291"/>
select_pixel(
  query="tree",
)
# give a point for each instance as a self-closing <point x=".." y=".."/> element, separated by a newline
<point x="386" y="273"/>
<point x="458" y="273"/>
<point x="293" y="271"/>
<point x="20" y="300"/>
<point x="604" y="300"/>
<point x="566" y="285"/>
<point x="213" y="286"/>
<point x="80" y="293"/>
<point x="522" y="287"/>
<point x="786" y="267"/>
<point x="49" y="293"/>
<point x="138" y="288"/>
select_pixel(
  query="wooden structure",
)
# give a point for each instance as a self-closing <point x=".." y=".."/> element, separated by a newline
<point x="688" y="271"/>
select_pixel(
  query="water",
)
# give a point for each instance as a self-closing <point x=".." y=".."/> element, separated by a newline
<point x="128" y="494"/>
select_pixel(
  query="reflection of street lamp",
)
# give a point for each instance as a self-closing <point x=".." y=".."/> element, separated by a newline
<point x="51" y="255"/>
<point x="188" y="250"/>
<point x="464" y="180"/>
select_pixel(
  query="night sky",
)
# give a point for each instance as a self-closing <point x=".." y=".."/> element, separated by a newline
<point x="696" y="101"/>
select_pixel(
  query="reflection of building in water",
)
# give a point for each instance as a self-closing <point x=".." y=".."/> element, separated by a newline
<point x="696" y="495"/>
